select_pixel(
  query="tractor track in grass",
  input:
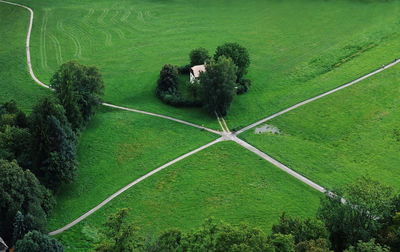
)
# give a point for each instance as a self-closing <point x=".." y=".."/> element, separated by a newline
<point x="28" y="58"/>
<point x="226" y="135"/>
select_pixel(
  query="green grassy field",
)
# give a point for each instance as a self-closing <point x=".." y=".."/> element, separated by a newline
<point x="15" y="81"/>
<point x="231" y="184"/>
<point x="291" y="44"/>
<point x="298" y="49"/>
<point x="116" y="148"/>
<point x="352" y="133"/>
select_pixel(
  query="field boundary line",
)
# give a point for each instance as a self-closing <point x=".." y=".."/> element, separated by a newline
<point x="28" y="59"/>
<point x="317" y="97"/>
<point x="108" y="199"/>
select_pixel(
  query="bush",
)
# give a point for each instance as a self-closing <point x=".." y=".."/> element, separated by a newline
<point x="168" y="80"/>
<point x="177" y="100"/>
<point x="243" y="86"/>
<point x="184" y="69"/>
<point x="198" y="56"/>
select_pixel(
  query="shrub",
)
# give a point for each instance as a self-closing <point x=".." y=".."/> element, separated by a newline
<point x="168" y="80"/>
<point x="243" y="86"/>
<point x="198" y="56"/>
<point x="184" y="69"/>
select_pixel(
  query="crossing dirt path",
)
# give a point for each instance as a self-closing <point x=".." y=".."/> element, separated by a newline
<point x="226" y="135"/>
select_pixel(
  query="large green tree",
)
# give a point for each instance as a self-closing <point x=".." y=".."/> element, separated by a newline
<point x="168" y="81"/>
<point x="302" y="230"/>
<point x="15" y="137"/>
<point x="37" y="242"/>
<point x="368" y="206"/>
<point x="238" y="54"/>
<point x="21" y="191"/>
<point x="79" y="89"/>
<point x="54" y="143"/>
<point x="218" y="85"/>
<point x="198" y="56"/>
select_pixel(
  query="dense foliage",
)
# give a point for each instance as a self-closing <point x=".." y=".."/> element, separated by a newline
<point x="37" y="242"/>
<point x="78" y="88"/>
<point x="198" y="56"/>
<point x="167" y="88"/>
<point x="369" y="208"/>
<point x="218" y="85"/>
<point x="288" y="234"/>
<point x="15" y="136"/>
<point x="42" y="147"/>
<point x="54" y="156"/>
<point x="21" y="191"/>
<point x="238" y="54"/>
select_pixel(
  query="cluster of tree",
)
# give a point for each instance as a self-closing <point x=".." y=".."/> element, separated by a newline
<point x="38" y="151"/>
<point x="368" y="221"/>
<point x="217" y="86"/>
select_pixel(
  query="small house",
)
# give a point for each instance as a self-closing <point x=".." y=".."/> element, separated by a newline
<point x="3" y="246"/>
<point x="195" y="72"/>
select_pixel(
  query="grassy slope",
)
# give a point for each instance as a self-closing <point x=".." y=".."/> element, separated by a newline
<point x="343" y="136"/>
<point x="116" y="148"/>
<point x="282" y="37"/>
<point x="15" y="81"/>
<point x="225" y="186"/>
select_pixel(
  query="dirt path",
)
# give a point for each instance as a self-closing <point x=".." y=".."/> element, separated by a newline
<point x="317" y="97"/>
<point x="73" y="223"/>
<point x="28" y="59"/>
<point x="225" y="135"/>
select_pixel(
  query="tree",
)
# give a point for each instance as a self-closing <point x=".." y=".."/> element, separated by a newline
<point x="21" y="191"/>
<point x="309" y="229"/>
<point x="319" y="245"/>
<point x="368" y="206"/>
<point x="15" y="136"/>
<point x="282" y="242"/>
<point x="54" y="144"/>
<point x="168" y="81"/>
<point x="35" y="241"/>
<point x="239" y="56"/>
<point x="119" y="235"/>
<point x="218" y="85"/>
<point x="79" y="89"/>
<point x="198" y="56"/>
<point x="369" y="246"/>
<point x="19" y="227"/>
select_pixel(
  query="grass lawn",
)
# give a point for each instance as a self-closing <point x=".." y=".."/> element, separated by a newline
<point x="341" y="137"/>
<point x="230" y="184"/>
<point x="15" y="81"/>
<point x="291" y="43"/>
<point x="116" y="148"/>
<point x="298" y="49"/>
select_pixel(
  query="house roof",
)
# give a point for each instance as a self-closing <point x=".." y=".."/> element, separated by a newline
<point x="3" y="244"/>
<point x="197" y="69"/>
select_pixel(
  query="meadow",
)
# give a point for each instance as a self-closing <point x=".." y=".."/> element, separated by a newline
<point x="298" y="49"/>
<point x="291" y="44"/>
<point x="341" y="137"/>
<point x="231" y="184"/>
